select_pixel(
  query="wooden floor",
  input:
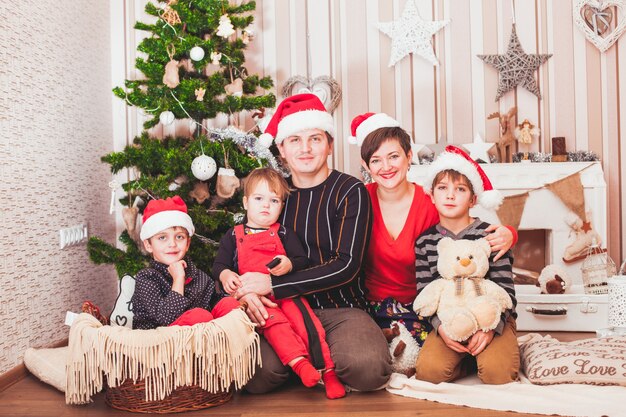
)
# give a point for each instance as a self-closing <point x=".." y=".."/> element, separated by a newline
<point x="32" y="398"/>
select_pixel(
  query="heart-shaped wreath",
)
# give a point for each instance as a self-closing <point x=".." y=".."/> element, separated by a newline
<point x="594" y="18"/>
<point x="324" y="87"/>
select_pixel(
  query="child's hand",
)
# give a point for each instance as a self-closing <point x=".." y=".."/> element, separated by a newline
<point x="452" y="344"/>
<point x="230" y="281"/>
<point x="177" y="270"/>
<point x="479" y="341"/>
<point x="284" y="267"/>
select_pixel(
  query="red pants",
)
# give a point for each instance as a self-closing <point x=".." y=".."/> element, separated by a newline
<point x="200" y="315"/>
<point x="286" y="333"/>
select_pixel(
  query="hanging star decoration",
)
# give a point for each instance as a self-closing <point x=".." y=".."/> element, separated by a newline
<point x="479" y="150"/>
<point x="516" y="67"/>
<point x="411" y="34"/>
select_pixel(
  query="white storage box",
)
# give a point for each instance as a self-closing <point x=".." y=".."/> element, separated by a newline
<point x="574" y="312"/>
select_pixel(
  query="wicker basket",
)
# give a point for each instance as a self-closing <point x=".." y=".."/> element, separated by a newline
<point x="132" y="397"/>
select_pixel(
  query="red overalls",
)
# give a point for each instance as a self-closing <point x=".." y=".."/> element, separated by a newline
<point x="284" y="330"/>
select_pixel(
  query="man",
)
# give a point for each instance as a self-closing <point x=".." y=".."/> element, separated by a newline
<point x="331" y="214"/>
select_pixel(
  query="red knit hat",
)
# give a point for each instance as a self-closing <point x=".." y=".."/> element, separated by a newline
<point x="163" y="214"/>
<point x="364" y="124"/>
<point x="295" y="114"/>
<point x="457" y="160"/>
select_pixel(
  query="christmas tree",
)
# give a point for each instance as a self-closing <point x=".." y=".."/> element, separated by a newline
<point x="193" y="70"/>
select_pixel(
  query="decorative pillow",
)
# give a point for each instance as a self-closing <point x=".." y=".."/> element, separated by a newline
<point x="48" y="365"/>
<point x="122" y="314"/>
<point x="597" y="361"/>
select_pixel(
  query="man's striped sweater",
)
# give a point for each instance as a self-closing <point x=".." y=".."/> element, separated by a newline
<point x="333" y="220"/>
<point x="426" y="257"/>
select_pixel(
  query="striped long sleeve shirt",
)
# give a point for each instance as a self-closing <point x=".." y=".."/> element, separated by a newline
<point x="426" y="257"/>
<point x="333" y="220"/>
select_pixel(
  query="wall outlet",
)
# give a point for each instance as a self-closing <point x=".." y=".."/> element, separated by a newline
<point x="73" y="235"/>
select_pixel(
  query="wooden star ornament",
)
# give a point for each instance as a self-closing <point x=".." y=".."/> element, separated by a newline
<point x="411" y="34"/>
<point x="516" y="67"/>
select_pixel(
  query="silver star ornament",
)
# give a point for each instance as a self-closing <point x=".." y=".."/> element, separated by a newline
<point x="411" y="34"/>
<point x="516" y="67"/>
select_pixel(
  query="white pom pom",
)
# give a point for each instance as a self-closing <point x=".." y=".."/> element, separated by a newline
<point x="266" y="140"/>
<point x="490" y="199"/>
<point x="352" y="140"/>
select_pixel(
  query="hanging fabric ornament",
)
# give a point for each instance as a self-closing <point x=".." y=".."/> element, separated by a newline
<point x="129" y="214"/>
<point x="196" y="53"/>
<point x="200" y="93"/>
<point x="225" y="27"/>
<point x="227" y="182"/>
<point x="248" y="35"/>
<point x="200" y="192"/>
<point x="215" y="58"/>
<point x="167" y="117"/>
<point x="235" y="88"/>
<point x="203" y="167"/>
<point x="113" y="184"/>
<point x="170" y="15"/>
<point x="171" y="78"/>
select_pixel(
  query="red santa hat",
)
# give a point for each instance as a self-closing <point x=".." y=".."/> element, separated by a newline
<point x="163" y="214"/>
<point x="457" y="160"/>
<point x="364" y="124"/>
<point x="295" y="114"/>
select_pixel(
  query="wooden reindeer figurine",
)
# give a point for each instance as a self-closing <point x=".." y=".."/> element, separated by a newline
<point x="507" y="139"/>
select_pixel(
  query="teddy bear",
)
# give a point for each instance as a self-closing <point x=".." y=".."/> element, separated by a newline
<point x="553" y="280"/>
<point x="403" y="349"/>
<point x="462" y="298"/>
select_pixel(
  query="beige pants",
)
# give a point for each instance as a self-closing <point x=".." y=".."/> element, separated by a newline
<point x="497" y="364"/>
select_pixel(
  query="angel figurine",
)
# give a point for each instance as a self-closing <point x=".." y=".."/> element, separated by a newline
<point x="524" y="133"/>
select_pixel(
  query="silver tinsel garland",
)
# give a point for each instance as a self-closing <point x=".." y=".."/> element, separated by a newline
<point x="578" y="156"/>
<point x="250" y="143"/>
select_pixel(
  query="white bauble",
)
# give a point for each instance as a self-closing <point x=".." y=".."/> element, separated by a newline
<point x="196" y="53"/>
<point x="167" y="117"/>
<point x="203" y="167"/>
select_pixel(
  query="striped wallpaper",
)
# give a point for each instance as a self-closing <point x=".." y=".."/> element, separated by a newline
<point x="583" y="98"/>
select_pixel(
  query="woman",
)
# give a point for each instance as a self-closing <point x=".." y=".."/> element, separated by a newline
<point x="401" y="211"/>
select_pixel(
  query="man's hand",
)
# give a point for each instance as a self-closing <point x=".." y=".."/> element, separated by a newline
<point x="479" y="341"/>
<point x="284" y="267"/>
<point x="500" y="240"/>
<point x="230" y="281"/>
<point x="256" y="310"/>
<point x="455" y="346"/>
<point x="254" y="282"/>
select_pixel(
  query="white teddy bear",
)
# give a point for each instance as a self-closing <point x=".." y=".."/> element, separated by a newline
<point x="462" y="299"/>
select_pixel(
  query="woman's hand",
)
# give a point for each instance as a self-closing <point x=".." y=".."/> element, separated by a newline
<point x="479" y="341"/>
<point x="500" y="240"/>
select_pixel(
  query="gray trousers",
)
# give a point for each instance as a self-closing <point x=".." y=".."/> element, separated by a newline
<point x="357" y="346"/>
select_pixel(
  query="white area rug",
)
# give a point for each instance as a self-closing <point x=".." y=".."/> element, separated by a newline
<point x="521" y="397"/>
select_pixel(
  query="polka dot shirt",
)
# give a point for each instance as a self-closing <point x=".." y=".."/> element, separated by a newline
<point x="154" y="302"/>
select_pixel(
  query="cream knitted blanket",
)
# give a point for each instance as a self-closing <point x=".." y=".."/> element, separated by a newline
<point x="225" y="351"/>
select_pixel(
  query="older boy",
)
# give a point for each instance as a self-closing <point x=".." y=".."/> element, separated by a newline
<point x="456" y="183"/>
<point x="331" y="214"/>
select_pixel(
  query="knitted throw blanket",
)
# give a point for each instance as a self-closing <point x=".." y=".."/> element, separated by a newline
<point x="212" y="355"/>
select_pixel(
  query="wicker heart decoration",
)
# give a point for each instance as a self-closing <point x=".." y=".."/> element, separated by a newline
<point x="324" y="87"/>
<point x="594" y="19"/>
